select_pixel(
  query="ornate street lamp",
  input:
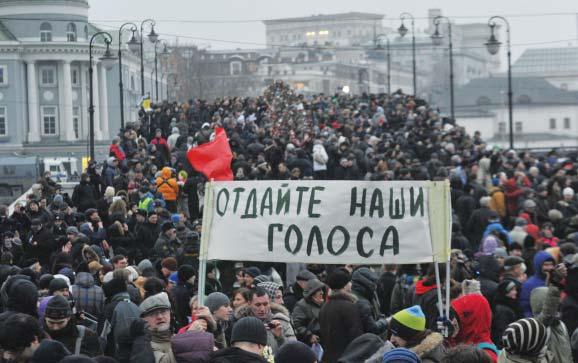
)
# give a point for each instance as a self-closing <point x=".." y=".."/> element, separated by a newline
<point x="437" y="39"/>
<point x="402" y="32"/>
<point x="132" y="42"/>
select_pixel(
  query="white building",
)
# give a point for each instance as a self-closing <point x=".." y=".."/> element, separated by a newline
<point x="44" y="79"/>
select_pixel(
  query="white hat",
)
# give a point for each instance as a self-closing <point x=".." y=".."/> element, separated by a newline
<point x="568" y="191"/>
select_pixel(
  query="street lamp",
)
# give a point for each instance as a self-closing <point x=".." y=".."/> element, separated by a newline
<point x="131" y="43"/>
<point x="153" y="37"/>
<point x="493" y="45"/>
<point x="437" y="39"/>
<point x="402" y="32"/>
<point x="165" y="52"/>
<point x="379" y="36"/>
<point x="108" y="61"/>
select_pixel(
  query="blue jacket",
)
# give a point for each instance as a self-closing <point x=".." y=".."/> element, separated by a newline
<point x="538" y="280"/>
<point x="497" y="226"/>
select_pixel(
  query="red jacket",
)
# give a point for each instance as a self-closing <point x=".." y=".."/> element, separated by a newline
<point x="117" y="152"/>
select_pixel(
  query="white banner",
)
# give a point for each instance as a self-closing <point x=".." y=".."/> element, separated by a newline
<point x="329" y="222"/>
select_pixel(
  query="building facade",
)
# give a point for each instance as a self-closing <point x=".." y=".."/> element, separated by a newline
<point x="44" y="79"/>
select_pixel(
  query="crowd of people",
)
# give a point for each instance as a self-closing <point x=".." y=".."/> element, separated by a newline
<point x="110" y="272"/>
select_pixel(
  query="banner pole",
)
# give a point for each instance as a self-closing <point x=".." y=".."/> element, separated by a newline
<point x="207" y="212"/>
<point x="439" y="288"/>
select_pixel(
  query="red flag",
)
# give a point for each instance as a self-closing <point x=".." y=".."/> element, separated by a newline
<point x="213" y="159"/>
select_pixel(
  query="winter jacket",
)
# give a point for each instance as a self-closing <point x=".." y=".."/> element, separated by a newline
<point x="116" y="151"/>
<point x="506" y="357"/>
<point x="235" y="355"/>
<point x="545" y="302"/>
<point x="364" y="286"/>
<point x="340" y="323"/>
<point x="476" y="225"/>
<point x="293" y="294"/>
<point x="280" y="313"/>
<point x="430" y="350"/>
<point x="167" y="186"/>
<point x="161" y="346"/>
<point x="305" y="316"/>
<point x="424" y="294"/>
<point x="569" y="306"/>
<point x="83" y="196"/>
<point x="182" y="294"/>
<point x="401" y="293"/>
<point x="364" y="348"/>
<point x="489" y="277"/>
<point x="88" y="296"/>
<point x="385" y="287"/>
<point x="19" y="295"/>
<point x="475" y="319"/>
<point x="116" y="320"/>
<point x="89" y="345"/>
<point x="166" y="248"/>
<point x="43" y="248"/>
<point x="320" y="158"/>
<point x="172" y="140"/>
<point x="498" y="201"/>
<point x="506" y="311"/>
<point x="192" y="347"/>
<point x="537" y="280"/>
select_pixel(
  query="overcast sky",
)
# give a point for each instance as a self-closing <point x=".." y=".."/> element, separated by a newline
<point x="231" y="21"/>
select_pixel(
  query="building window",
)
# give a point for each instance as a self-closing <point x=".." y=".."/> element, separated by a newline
<point x="3" y="122"/>
<point x="74" y="75"/>
<point x="45" y="32"/>
<point x="71" y="32"/>
<point x="518" y="126"/>
<point x="236" y="68"/>
<point x="3" y="75"/>
<point x="47" y="76"/>
<point x="567" y="123"/>
<point x="552" y="124"/>
<point x="86" y="32"/>
<point x="49" y="120"/>
<point x="132" y="84"/>
<point x="502" y="127"/>
<point x="75" y="120"/>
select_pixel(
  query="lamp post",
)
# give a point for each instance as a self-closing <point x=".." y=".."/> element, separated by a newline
<point x="132" y="43"/>
<point x="437" y="39"/>
<point x="163" y="75"/>
<point x="108" y="61"/>
<point x="493" y="46"/>
<point x="402" y="32"/>
<point x="388" y="58"/>
<point x="164" y="53"/>
<point x="153" y="37"/>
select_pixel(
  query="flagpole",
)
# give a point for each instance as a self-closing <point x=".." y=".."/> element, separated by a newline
<point x="203" y="251"/>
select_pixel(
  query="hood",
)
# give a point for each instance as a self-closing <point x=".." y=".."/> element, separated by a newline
<point x="475" y="319"/>
<point x="85" y="229"/>
<point x="175" y="131"/>
<point x="421" y="289"/>
<point x="84" y="279"/>
<point x="361" y="348"/>
<point x="166" y="173"/>
<point x="539" y="259"/>
<point x="489" y="268"/>
<point x="364" y="281"/>
<point x="313" y="286"/>
<point x="23" y="297"/>
<point x="427" y="345"/>
<point x="537" y="298"/>
<point x="144" y="265"/>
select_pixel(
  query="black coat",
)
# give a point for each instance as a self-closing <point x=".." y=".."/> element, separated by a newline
<point x="293" y="294"/>
<point x="305" y="319"/>
<point x="476" y="225"/>
<point x="384" y="291"/>
<point x="182" y="294"/>
<point x="43" y="248"/>
<point x="235" y="355"/>
<point x="340" y="325"/>
<point x="502" y="316"/>
<point x="83" y="196"/>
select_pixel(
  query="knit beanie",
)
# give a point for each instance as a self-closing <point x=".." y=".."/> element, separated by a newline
<point x="408" y="323"/>
<point x="525" y="337"/>
<point x="57" y="284"/>
<point x="471" y="287"/>
<point x="215" y="300"/>
<point x="58" y="308"/>
<point x="295" y="352"/>
<point x="400" y="355"/>
<point x="261" y="278"/>
<point x="50" y="351"/>
<point x="270" y="288"/>
<point x="186" y="272"/>
<point x="174" y="277"/>
<point x="338" y="279"/>
<point x="252" y="271"/>
<point x="249" y="329"/>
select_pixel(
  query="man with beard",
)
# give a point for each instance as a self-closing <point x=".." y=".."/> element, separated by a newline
<point x="156" y="311"/>
<point x="20" y="341"/>
<point x="61" y="326"/>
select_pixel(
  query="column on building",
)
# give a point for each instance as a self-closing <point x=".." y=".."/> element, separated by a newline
<point x="103" y="102"/>
<point x="65" y="91"/>
<point x="83" y="126"/>
<point x="33" y="106"/>
<point x="96" y="102"/>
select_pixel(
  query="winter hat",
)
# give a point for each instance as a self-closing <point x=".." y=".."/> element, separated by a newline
<point x="521" y="222"/>
<point x="400" y="355"/>
<point x="50" y="351"/>
<point x="408" y="323"/>
<point x="175" y="218"/>
<point x="252" y="271"/>
<point x="169" y="263"/>
<point x="500" y="252"/>
<point x="57" y="284"/>
<point x="312" y="287"/>
<point x="295" y="352"/>
<point x="506" y="286"/>
<point x="249" y="329"/>
<point x="261" y="278"/>
<point x="270" y="288"/>
<point x="44" y="281"/>
<point x="215" y="300"/>
<point x="167" y="226"/>
<point x="72" y="230"/>
<point x="489" y="245"/>
<point x="338" y="279"/>
<point x="555" y="215"/>
<point x="68" y="272"/>
<point x="186" y="272"/>
<point x="568" y="191"/>
<point x="145" y="264"/>
<point x="512" y="261"/>
<point x="305" y="275"/>
<point x="525" y="337"/>
<point x="159" y="301"/>
<point x="529" y="203"/>
<point x="471" y="287"/>
<point x="58" y="308"/>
